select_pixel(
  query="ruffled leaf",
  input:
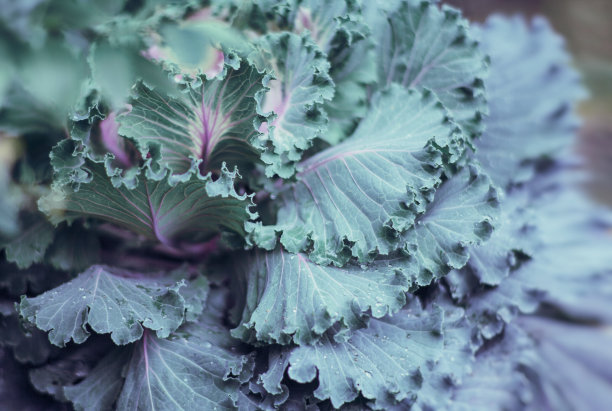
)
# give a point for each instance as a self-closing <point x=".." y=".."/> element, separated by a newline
<point x="315" y="297"/>
<point x="462" y="213"/>
<point x="215" y="120"/>
<point x="352" y="199"/>
<point x="168" y="208"/>
<point x="331" y="25"/>
<point x="107" y="300"/>
<point x="384" y="363"/>
<point x="339" y="30"/>
<point x="353" y="75"/>
<point x="300" y="87"/>
<point x="422" y="45"/>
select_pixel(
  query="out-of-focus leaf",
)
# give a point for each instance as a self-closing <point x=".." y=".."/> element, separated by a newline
<point x="74" y="248"/>
<point x="29" y="345"/>
<point x="102" y="386"/>
<point x="10" y="199"/>
<point x="29" y="246"/>
<point x="532" y="91"/>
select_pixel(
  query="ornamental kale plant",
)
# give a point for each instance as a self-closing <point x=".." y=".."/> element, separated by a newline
<point x="294" y="204"/>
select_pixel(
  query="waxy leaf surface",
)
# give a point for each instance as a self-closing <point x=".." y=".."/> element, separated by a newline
<point x="291" y="298"/>
<point x="423" y="45"/>
<point x="353" y="198"/>
<point x="213" y="121"/>
<point x="107" y="300"/>
<point x="296" y="95"/>
<point x="167" y="208"/>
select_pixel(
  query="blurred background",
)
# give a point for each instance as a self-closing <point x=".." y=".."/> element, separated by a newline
<point x="587" y="28"/>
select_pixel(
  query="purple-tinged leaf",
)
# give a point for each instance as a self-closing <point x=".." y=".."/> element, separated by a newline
<point x="168" y="208"/>
<point x="297" y="93"/>
<point x="356" y="198"/>
<point x="215" y="120"/>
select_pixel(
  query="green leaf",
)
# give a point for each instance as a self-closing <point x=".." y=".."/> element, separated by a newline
<point x="300" y="87"/>
<point x="532" y="91"/>
<point x="353" y="75"/>
<point x="422" y="45"/>
<point x="382" y="362"/>
<point x="163" y="207"/>
<point x="21" y="113"/>
<point x="462" y="213"/>
<point x="197" y="367"/>
<point x="106" y="300"/>
<point x="54" y="76"/>
<point x="195" y="46"/>
<point x="339" y="30"/>
<point x="251" y="14"/>
<point x="30" y="245"/>
<point x="103" y="384"/>
<point x="214" y="120"/>
<point x="331" y="25"/>
<point x="9" y="201"/>
<point x="354" y="199"/>
<point x="115" y="68"/>
<point x="313" y="297"/>
<point x="513" y="241"/>
<point x="29" y="345"/>
<point x="74" y="248"/>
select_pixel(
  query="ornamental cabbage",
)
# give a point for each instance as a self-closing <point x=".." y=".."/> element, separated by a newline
<point x="294" y="204"/>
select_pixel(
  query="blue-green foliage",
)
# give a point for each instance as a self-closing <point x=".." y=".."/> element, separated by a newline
<point x="294" y="204"/>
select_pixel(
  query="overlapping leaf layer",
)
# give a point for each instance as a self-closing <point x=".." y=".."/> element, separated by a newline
<point x="294" y="204"/>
